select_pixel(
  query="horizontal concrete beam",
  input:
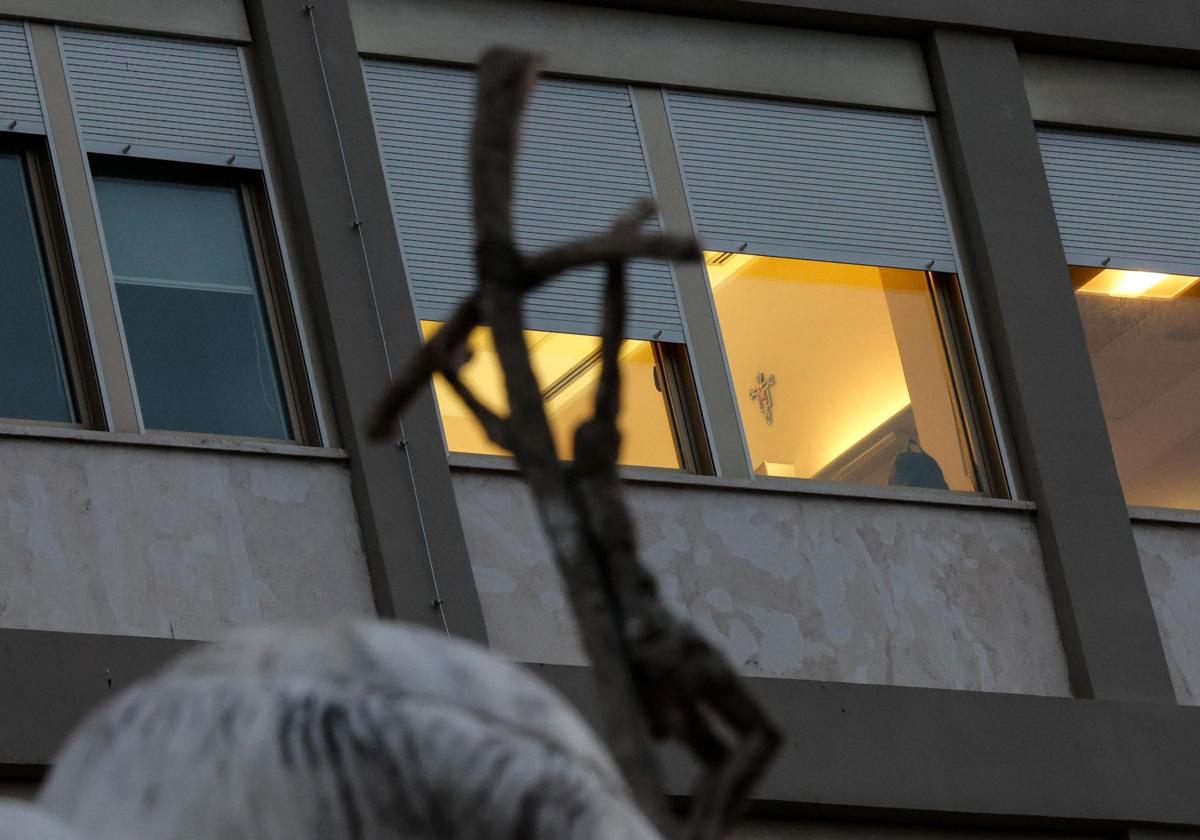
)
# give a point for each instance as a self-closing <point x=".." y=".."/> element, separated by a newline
<point x="850" y="750"/>
<point x="1116" y="95"/>
<point x="223" y="20"/>
<point x="49" y="681"/>
<point x="1159" y="31"/>
<point x="653" y="49"/>
<point x="964" y="756"/>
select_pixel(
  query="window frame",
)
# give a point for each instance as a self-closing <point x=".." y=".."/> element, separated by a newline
<point x="280" y="318"/>
<point x="968" y="392"/>
<point x="968" y="386"/>
<point x="675" y="380"/>
<point x="672" y="378"/>
<point x="1106" y="392"/>
<point x="66" y="294"/>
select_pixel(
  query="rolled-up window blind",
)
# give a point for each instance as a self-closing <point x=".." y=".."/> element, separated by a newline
<point x="161" y="98"/>
<point x="20" y="104"/>
<point x="811" y="182"/>
<point x="581" y="163"/>
<point x="1125" y="202"/>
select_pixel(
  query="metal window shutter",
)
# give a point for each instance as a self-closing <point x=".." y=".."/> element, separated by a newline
<point x="1133" y="202"/>
<point x="20" y="104"/>
<point x="806" y="181"/>
<point x="581" y="163"/>
<point x="161" y="98"/>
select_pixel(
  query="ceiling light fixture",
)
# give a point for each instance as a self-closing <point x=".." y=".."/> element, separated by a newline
<point x="1138" y="284"/>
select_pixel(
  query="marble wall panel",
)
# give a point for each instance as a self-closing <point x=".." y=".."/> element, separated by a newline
<point x="1170" y="555"/>
<point x="187" y="543"/>
<point x="796" y="585"/>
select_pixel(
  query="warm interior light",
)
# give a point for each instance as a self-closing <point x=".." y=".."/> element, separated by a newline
<point x="1138" y="284"/>
<point x="567" y="367"/>
<point x="827" y="332"/>
<point x="857" y="363"/>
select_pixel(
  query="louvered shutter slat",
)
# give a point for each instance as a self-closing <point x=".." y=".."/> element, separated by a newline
<point x="1125" y="202"/>
<point x="20" y="104"/>
<point x="161" y="98"/>
<point x="811" y="182"/>
<point x="581" y="163"/>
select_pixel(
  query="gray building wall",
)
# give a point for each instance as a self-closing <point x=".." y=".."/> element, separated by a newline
<point x="1170" y="553"/>
<point x="661" y="49"/>
<point x="795" y="584"/>
<point x="215" y="19"/>
<point x="1089" y="92"/>
<point x="111" y="537"/>
<point x="854" y="609"/>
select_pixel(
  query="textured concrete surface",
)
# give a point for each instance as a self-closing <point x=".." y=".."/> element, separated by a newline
<point x="1171" y="562"/>
<point x="813" y="587"/>
<point x="656" y="49"/>
<point x="1092" y="93"/>
<point x="224" y="19"/>
<point x="171" y="542"/>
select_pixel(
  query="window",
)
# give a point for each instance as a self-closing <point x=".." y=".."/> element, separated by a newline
<point x="35" y="381"/>
<point x="842" y="370"/>
<point x="1143" y="336"/>
<point x="655" y="424"/>
<point x="581" y="164"/>
<point x="190" y="264"/>
<point x="1128" y="209"/>
<point x="845" y="372"/>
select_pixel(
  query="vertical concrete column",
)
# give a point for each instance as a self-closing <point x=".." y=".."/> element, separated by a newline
<point x="1107" y="622"/>
<point x="311" y="78"/>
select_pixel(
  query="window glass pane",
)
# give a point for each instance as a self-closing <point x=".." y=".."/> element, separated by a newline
<point x="33" y="379"/>
<point x="192" y="307"/>
<point x="1143" y="335"/>
<point x="568" y="368"/>
<point x="841" y="372"/>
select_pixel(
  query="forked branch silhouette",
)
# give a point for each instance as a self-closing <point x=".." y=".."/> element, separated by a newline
<point x="657" y="678"/>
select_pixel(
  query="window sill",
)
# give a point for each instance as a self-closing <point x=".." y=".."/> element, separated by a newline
<point x="793" y="486"/>
<point x="164" y="440"/>
<point x="1175" y="516"/>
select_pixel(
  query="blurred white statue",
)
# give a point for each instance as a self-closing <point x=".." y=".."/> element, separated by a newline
<point x="363" y="730"/>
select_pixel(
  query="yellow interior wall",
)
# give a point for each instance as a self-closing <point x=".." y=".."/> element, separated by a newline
<point x="849" y="347"/>
<point x="647" y="439"/>
<point x="829" y="344"/>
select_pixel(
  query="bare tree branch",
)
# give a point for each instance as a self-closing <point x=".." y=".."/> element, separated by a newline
<point x="656" y="677"/>
<point x="499" y="429"/>
<point x="608" y="390"/>
<point x="624" y="241"/>
<point x="506" y="78"/>
<point x="501" y="281"/>
<point x="435" y="355"/>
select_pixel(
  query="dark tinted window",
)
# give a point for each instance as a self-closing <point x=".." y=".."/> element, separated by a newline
<point x="33" y="377"/>
<point x="192" y="306"/>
